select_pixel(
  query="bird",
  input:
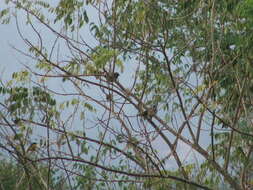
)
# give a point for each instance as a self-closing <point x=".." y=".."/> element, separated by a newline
<point x="149" y="113"/>
<point x="112" y="77"/>
<point x="32" y="147"/>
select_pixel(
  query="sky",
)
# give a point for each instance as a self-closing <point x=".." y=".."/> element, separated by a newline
<point x="11" y="61"/>
<point x="9" y="58"/>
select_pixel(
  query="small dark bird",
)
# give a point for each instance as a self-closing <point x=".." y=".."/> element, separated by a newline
<point x="149" y="113"/>
<point x="17" y="120"/>
<point x="112" y="77"/>
<point x="109" y="97"/>
<point x="32" y="147"/>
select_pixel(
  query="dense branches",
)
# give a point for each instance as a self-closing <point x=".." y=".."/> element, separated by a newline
<point x="142" y="94"/>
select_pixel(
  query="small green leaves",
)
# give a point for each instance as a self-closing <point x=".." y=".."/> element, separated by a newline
<point x="41" y="96"/>
<point x="89" y="106"/>
<point x="21" y="76"/>
<point x="4" y="16"/>
<point x="66" y="11"/>
<point x="3" y="90"/>
<point x="103" y="56"/>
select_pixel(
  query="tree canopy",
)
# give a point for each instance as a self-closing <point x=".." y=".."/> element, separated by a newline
<point x="123" y="94"/>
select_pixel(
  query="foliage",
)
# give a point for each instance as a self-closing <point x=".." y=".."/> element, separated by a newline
<point x="152" y="94"/>
<point x="12" y="176"/>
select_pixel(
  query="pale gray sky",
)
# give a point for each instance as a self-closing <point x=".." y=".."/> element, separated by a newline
<point x="10" y="60"/>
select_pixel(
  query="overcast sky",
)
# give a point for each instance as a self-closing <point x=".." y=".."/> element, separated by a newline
<point x="11" y="60"/>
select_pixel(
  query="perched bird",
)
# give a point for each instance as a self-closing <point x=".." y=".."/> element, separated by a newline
<point x="149" y="113"/>
<point x="17" y="120"/>
<point x="32" y="147"/>
<point x="109" y="97"/>
<point x="112" y="77"/>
